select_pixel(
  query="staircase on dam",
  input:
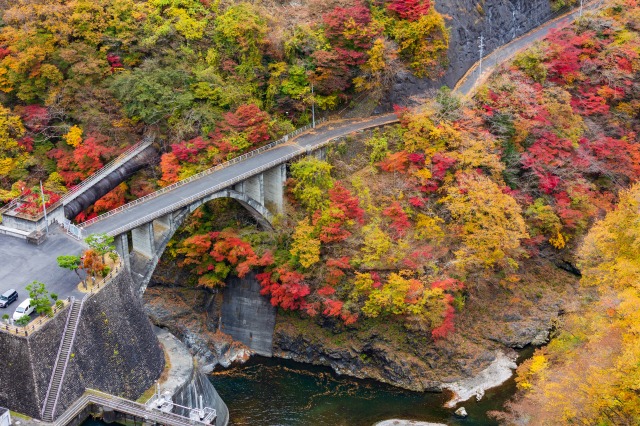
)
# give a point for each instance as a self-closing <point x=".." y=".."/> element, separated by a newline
<point x="60" y="367"/>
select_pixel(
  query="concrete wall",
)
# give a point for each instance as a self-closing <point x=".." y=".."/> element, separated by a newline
<point x="189" y="396"/>
<point x="247" y="316"/>
<point x="115" y="351"/>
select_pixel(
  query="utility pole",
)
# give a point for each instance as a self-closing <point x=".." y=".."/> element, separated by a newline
<point x="580" y="8"/>
<point x="481" y="49"/>
<point x="44" y="206"/>
<point x="313" y="108"/>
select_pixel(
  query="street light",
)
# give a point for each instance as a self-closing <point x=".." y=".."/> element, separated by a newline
<point x="313" y="108"/>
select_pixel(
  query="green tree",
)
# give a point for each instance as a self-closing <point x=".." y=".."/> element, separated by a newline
<point x="72" y="263"/>
<point x="39" y="297"/>
<point x="313" y="180"/>
<point x="101" y="244"/>
<point x="151" y="94"/>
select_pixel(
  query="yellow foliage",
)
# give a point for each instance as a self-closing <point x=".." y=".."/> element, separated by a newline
<point x="305" y="247"/>
<point x="490" y="222"/>
<point x="376" y="244"/>
<point x="429" y="228"/>
<point x="558" y="241"/>
<point x="531" y="370"/>
<point x="73" y="136"/>
<point x="11" y="129"/>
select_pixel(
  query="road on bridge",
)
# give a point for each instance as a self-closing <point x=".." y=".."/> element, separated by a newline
<point x="21" y="263"/>
<point x="278" y="154"/>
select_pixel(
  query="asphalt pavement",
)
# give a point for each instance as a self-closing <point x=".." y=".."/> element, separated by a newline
<point x="22" y="263"/>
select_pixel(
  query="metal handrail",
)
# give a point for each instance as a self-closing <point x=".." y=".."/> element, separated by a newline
<point x="66" y="361"/>
<point x="33" y="325"/>
<point x="53" y="371"/>
<point x="99" y="174"/>
<point x="197" y="176"/>
<point x="144" y="143"/>
<point x="229" y="182"/>
<point x="92" y="396"/>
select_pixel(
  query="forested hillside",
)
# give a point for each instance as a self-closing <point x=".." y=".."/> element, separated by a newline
<point x="82" y="80"/>
<point x="411" y="253"/>
<point x="457" y="193"/>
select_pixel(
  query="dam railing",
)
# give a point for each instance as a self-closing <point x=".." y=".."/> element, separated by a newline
<point x="125" y="406"/>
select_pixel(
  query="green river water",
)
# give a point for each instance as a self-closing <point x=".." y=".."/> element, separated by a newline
<point x="274" y="392"/>
<point x="281" y="392"/>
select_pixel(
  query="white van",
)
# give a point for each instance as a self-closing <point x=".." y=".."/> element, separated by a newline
<point x="23" y="309"/>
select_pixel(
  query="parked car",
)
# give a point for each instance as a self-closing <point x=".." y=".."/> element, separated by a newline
<point x="25" y="308"/>
<point x="8" y="297"/>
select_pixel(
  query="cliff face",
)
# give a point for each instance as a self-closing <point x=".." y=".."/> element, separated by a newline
<point x="498" y="21"/>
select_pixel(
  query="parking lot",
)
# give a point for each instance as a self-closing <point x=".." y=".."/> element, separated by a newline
<point x="22" y="263"/>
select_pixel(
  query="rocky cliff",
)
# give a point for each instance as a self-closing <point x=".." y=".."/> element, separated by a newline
<point x="498" y="21"/>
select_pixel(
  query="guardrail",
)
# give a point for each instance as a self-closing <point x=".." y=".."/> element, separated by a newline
<point x="229" y="182"/>
<point x="92" y="396"/>
<point x="72" y="229"/>
<point x="202" y="174"/>
<point x="506" y="51"/>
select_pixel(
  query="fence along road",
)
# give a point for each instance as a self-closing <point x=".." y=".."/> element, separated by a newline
<point x="157" y="204"/>
<point x="237" y="170"/>
<point x="467" y="84"/>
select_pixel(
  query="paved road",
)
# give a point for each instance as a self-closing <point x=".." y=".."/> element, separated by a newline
<point x="278" y="154"/>
<point x="22" y="263"/>
<point x="490" y="62"/>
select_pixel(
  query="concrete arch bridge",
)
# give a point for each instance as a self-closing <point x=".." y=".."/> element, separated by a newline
<point x="143" y="227"/>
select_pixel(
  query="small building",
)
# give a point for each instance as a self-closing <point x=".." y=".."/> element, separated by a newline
<point x="5" y="417"/>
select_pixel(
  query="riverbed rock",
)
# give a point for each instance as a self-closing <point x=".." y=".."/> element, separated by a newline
<point x="461" y="412"/>
<point x="499" y="371"/>
<point x="186" y="313"/>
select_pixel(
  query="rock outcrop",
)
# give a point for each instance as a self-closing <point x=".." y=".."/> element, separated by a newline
<point x="498" y="21"/>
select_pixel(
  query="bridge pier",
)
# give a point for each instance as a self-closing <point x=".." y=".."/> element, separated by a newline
<point x="274" y="188"/>
<point x="122" y="247"/>
<point x="164" y="222"/>
<point x="254" y="188"/>
<point x="143" y="240"/>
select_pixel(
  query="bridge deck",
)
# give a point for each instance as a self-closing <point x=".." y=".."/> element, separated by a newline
<point x="223" y="178"/>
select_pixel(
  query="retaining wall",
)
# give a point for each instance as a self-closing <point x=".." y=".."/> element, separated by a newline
<point x="115" y="351"/>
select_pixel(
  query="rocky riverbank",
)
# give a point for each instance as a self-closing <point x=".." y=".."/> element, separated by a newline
<point x="473" y="359"/>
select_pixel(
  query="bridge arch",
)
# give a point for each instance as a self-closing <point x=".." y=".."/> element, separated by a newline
<point x="148" y="242"/>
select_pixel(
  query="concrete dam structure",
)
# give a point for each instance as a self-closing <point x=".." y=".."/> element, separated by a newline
<point x="114" y="350"/>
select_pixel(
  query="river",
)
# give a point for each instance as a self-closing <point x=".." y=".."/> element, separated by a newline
<point x="269" y="392"/>
<point x="274" y="392"/>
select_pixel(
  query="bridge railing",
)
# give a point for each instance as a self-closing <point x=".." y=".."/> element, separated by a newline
<point x="197" y="176"/>
<point x="72" y="229"/>
<point x="223" y="185"/>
